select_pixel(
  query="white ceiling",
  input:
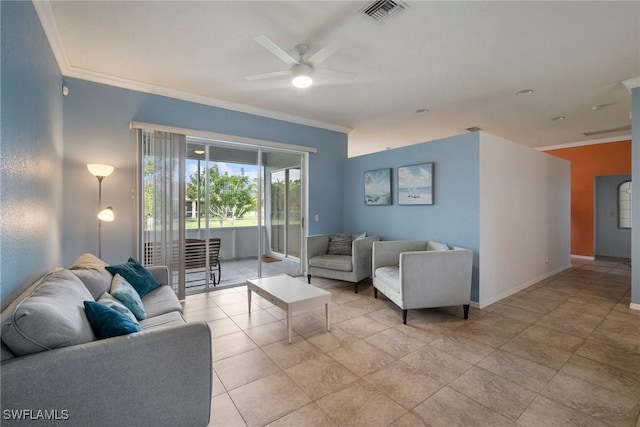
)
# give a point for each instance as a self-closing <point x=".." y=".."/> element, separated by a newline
<point x="463" y="61"/>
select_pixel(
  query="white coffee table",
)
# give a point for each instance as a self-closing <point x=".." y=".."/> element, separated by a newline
<point x="289" y="294"/>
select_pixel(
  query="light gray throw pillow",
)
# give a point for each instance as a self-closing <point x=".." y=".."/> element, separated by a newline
<point x="91" y="270"/>
<point x="51" y="317"/>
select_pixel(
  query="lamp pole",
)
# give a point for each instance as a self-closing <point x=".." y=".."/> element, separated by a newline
<point x="100" y="178"/>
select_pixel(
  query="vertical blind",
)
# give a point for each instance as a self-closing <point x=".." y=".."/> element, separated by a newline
<point x="161" y="196"/>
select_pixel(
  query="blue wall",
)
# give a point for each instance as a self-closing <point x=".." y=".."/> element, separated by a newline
<point x="96" y="126"/>
<point x="31" y="151"/>
<point x="454" y="216"/>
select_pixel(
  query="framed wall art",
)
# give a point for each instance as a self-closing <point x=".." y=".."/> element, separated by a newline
<point x="415" y="184"/>
<point x="377" y="187"/>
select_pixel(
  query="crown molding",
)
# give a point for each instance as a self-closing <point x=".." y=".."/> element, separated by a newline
<point x="583" y="143"/>
<point x="50" y="26"/>
<point x="632" y="83"/>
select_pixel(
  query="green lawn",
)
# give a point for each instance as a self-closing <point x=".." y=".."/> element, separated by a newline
<point x="192" y="223"/>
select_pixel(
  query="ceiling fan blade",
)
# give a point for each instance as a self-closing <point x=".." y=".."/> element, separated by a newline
<point x="324" y="53"/>
<point x="332" y="74"/>
<point x="268" y="75"/>
<point x="275" y="49"/>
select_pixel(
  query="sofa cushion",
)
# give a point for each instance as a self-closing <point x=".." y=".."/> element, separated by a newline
<point x="135" y="273"/>
<point x="164" y="320"/>
<point x="127" y="295"/>
<point x="160" y="301"/>
<point x="390" y="277"/>
<point x="52" y="316"/>
<point x="106" y="322"/>
<point x="110" y="301"/>
<point x="332" y="262"/>
<point x="340" y="244"/>
<point x="91" y="270"/>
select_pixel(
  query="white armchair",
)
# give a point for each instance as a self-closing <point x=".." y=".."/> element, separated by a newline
<point x="422" y="274"/>
<point x="351" y="265"/>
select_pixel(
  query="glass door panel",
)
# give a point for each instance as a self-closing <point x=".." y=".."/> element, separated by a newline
<point x="222" y="193"/>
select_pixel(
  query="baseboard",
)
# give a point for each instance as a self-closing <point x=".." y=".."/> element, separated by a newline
<point x="634" y="306"/>
<point x="588" y="258"/>
<point x="520" y="287"/>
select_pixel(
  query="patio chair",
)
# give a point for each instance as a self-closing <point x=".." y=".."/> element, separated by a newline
<point x="214" y="260"/>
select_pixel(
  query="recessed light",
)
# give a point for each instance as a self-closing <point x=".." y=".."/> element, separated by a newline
<point x="599" y="107"/>
<point x="422" y="111"/>
<point x="474" y="129"/>
<point x="525" y="92"/>
<point x="555" y="119"/>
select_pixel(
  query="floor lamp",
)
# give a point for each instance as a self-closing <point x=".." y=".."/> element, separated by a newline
<point x="106" y="215"/>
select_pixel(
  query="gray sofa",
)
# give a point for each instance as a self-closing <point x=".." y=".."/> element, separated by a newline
<point x="353" y="266"/>
<point x="422" y="274"/>
<point x="160" y="376"/>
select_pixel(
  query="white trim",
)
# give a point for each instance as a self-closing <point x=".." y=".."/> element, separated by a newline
<point x="519" y="288"/>
<point x="222" y="137"/>
<point x="583" y="143"/>
<point x="50" y="26"/>
<point x="634" y="306"/>
<point x="632" y="83"/>
<point x="588" y="258"/>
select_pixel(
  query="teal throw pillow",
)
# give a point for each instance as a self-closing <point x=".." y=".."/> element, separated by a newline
<point x="140" y="278"/>
<point x="107" y="322"/>
<point x="127" y="295"/>
<point x="107" y="299"/>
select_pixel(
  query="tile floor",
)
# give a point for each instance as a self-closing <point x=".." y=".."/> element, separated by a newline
<point x="563" y="352"/>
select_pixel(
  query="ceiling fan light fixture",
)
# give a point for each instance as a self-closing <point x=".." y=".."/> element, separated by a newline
<point x="301" y="75"/>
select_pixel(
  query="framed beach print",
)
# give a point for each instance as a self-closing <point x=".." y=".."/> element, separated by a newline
<point x="415" y="184"/>
<point x="377" y="187"/>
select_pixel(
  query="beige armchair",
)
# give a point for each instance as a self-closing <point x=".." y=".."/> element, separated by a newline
<point x="348" y="262"/>
<point x="422" y="274"/>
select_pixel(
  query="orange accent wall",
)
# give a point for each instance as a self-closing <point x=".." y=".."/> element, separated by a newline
<point x="587" y="162"/>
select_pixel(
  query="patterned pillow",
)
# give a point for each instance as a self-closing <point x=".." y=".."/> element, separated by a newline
<point x="340" y="244"/>
<point x="127" y="295"/>
<point x="110" y="301"/>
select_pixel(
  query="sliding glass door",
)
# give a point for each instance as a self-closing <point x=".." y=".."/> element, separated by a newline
<point x="236" y="211"/>
<point x="285" y="205"/>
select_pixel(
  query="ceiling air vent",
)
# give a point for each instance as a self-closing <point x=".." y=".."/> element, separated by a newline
<point x="381" y="10"/>
<point x="602" y="132"/>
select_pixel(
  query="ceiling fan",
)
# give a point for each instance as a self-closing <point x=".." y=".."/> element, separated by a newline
<point x="302" y="70"/>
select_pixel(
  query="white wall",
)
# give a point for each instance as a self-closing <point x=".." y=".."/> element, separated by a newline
<point x="525" y="217"/>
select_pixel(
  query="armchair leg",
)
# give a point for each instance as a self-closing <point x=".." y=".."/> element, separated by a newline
<point x="356" y="287"/>
<point x="466" y="311"/>
<point x="375" y="293"/>
<point x="308" y="278"/>
<point x="404" y="317"/>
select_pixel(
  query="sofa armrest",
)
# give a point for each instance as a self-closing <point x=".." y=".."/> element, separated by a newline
<point x="361" y="252"/>
<point x="436" y="278"/>
<point x="160" y="273"/>
<point x="159" y="377"/>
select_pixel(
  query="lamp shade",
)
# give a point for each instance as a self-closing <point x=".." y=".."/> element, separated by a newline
<point x="100" y="170"/>
<point x="302" y="75"/>
<point x="107" y="215"/>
